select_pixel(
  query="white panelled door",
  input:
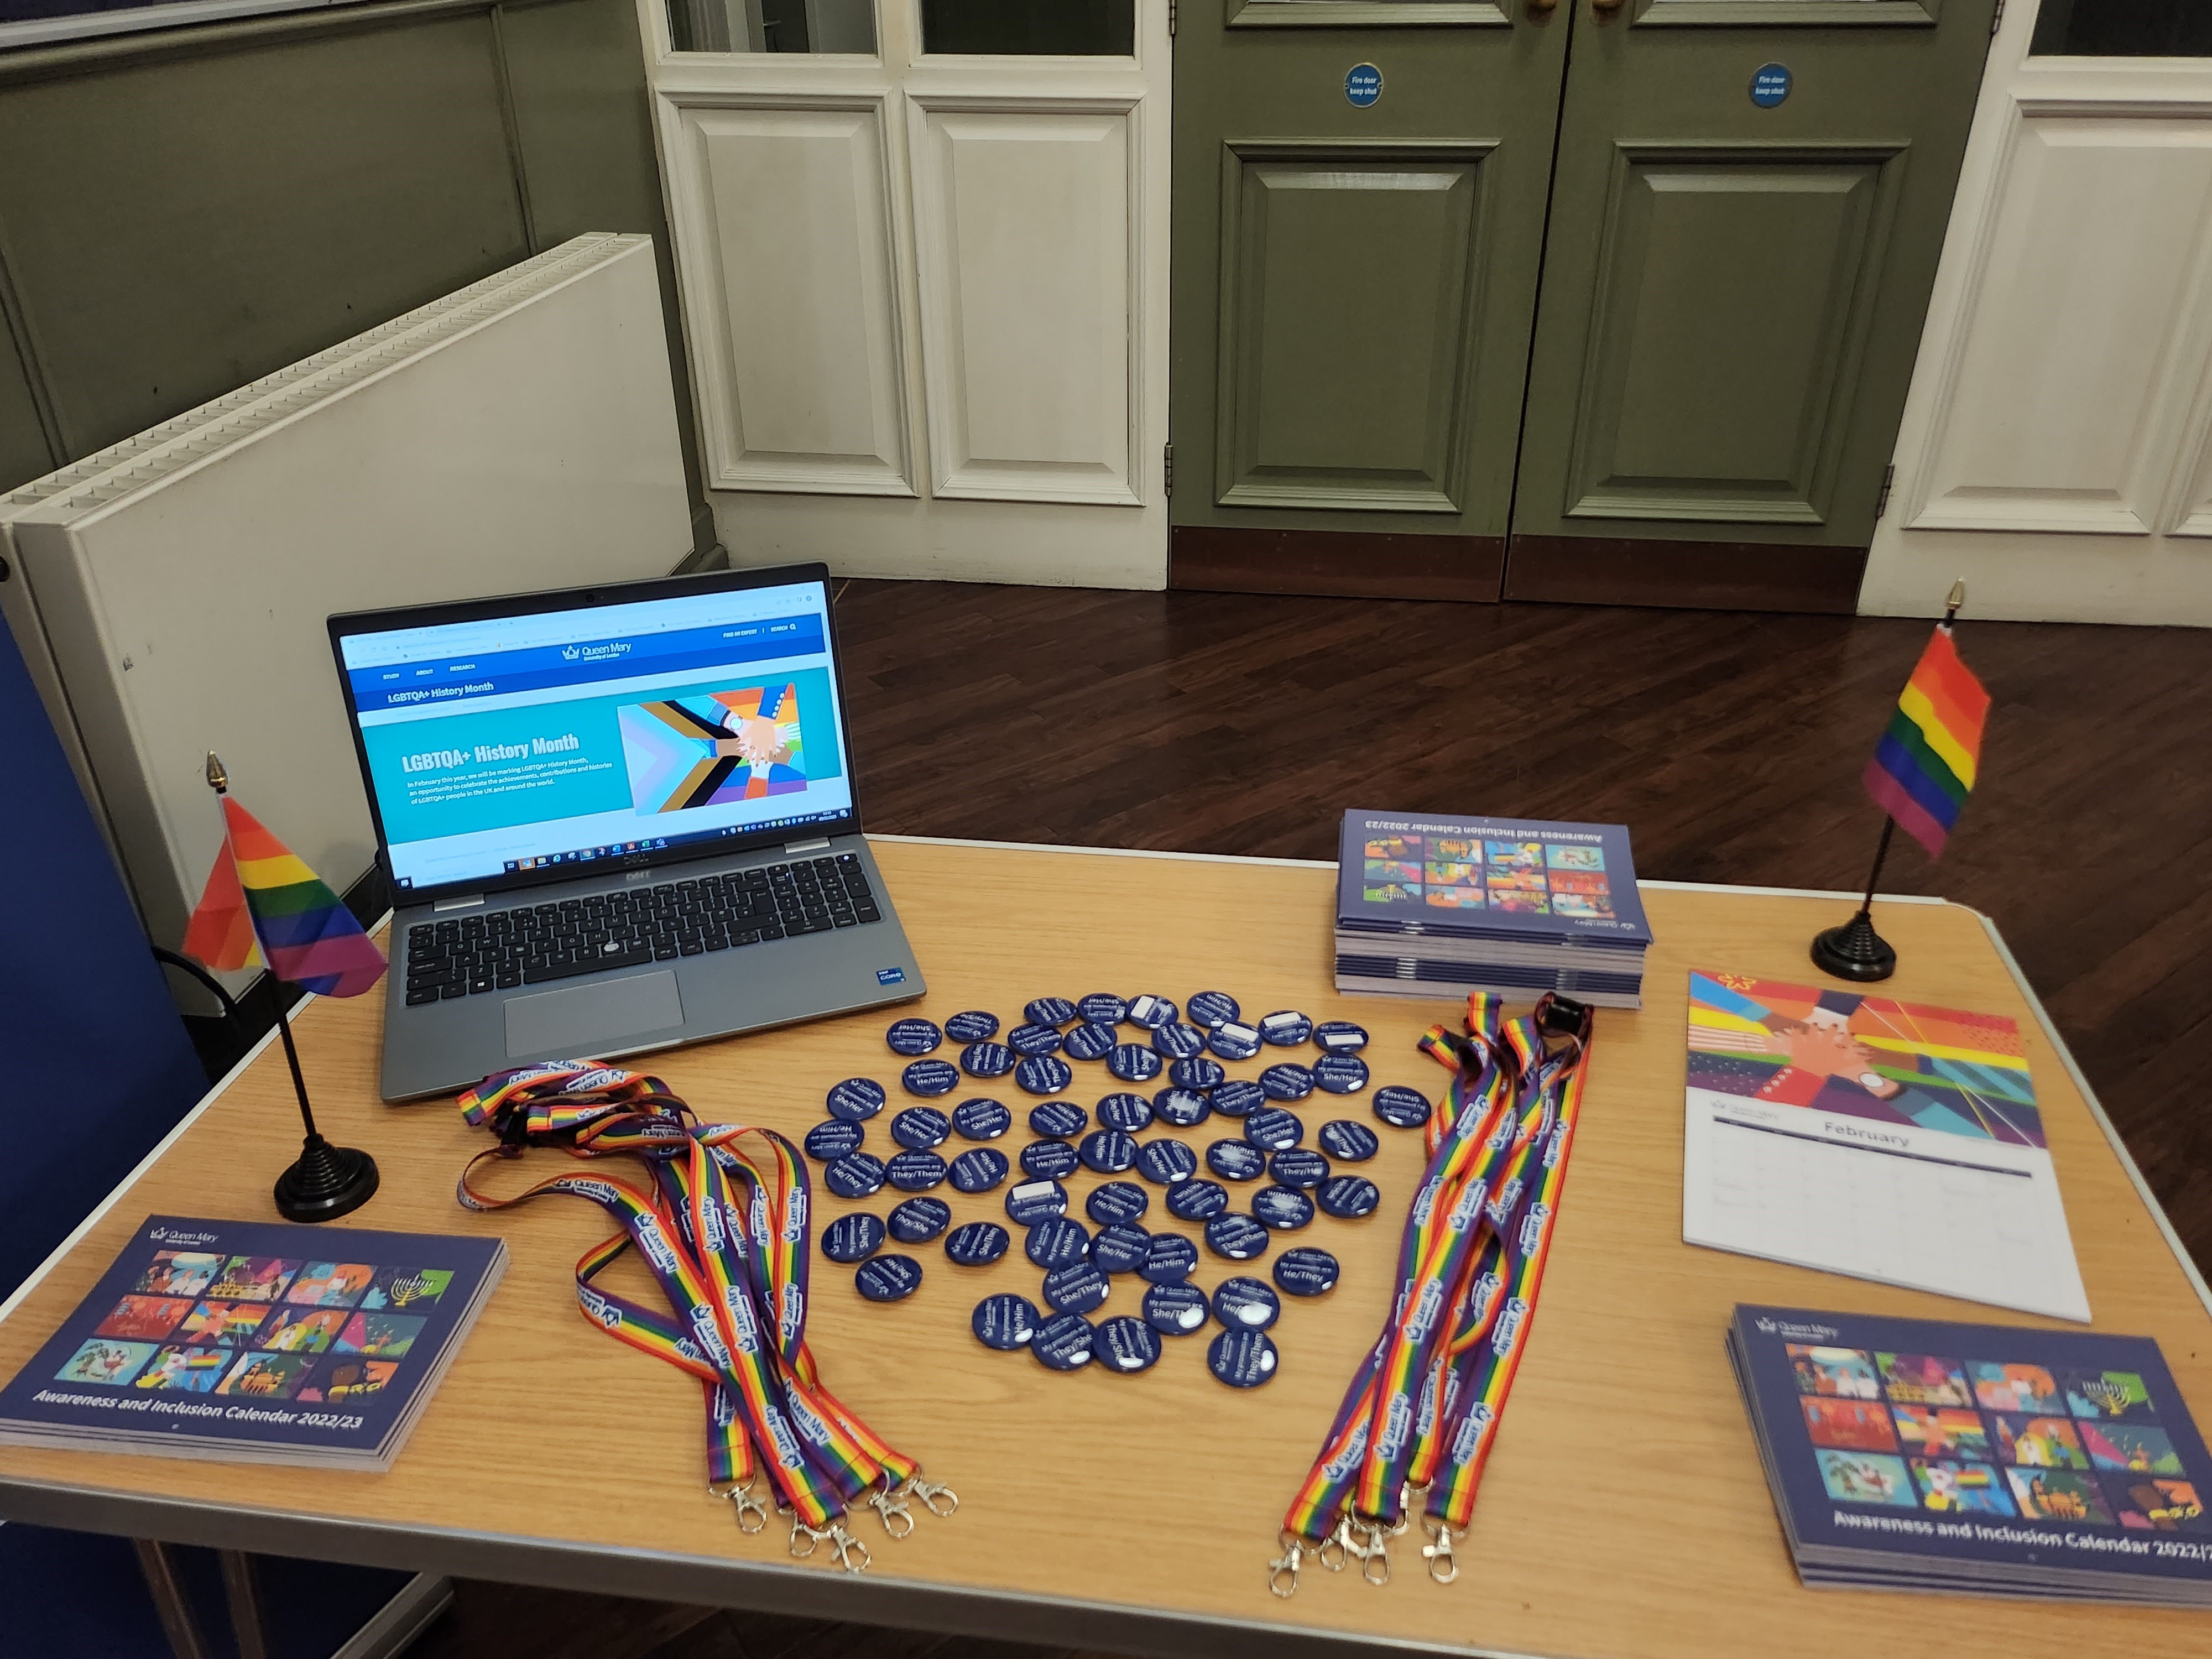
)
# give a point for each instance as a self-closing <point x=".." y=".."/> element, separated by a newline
<point x="2057" y="447"/>
<point x="921" y="248"/>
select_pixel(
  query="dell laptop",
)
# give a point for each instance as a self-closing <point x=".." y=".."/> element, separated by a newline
<point x="615" y="819"/>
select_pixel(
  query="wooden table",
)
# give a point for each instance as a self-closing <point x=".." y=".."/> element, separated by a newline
<point x="1624" y="1512"/>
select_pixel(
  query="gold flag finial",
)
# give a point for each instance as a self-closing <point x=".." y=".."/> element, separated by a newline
<point x="1958" y="597"/>
<point x="218" y="780"/>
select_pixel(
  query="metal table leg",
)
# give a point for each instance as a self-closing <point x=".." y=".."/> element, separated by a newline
<point x="242" y="1590"/>
<point x="175" y="1612"/>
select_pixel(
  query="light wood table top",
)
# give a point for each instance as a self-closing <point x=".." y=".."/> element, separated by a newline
<point x="1624" y="1512"/>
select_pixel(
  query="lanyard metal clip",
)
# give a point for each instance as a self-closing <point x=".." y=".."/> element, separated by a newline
<point x="939" y="1500"/>
<point x="1375" y="1559"/>
<point x="850" y="1553"/>
<point x="1338" y="1545"/>
<point x="1443" y="1567"/>
<point x="752" y="1514"/>
<point x="888" y="1501"/>
<point x="1282" y="1571"/>
<point x="1368" y="1542"/>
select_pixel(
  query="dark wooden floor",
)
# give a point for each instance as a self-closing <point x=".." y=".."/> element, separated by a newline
<point x="1729" y="744"/>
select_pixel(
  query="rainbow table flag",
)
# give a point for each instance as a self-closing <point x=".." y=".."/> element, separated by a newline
<point x="1923" y="768"/>
<point x="260" y="895"/>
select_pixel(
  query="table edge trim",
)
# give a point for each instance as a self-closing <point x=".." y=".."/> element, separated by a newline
<point x="958" y="1609"/>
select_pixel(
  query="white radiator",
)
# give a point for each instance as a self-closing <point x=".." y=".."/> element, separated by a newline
<point x="169" y="593"/>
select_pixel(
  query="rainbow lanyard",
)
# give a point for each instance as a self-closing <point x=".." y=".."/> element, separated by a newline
<point x="1460" y="1269"/>
<point x="1477" y="1304"/>
<point x="1492" y="1338"/>
<point x="1476" y="1104"/>
<point x="860" y="1464"/>
<point x="734" y="1275"/>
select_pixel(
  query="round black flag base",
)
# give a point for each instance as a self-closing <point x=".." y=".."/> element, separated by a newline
<point x="1854" y="950"/>
<point x="328" y="1181"/>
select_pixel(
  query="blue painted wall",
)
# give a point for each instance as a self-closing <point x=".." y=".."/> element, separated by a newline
<point x="104" y="1068"/>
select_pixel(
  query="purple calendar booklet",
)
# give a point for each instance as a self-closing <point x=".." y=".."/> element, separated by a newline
<point x="1993" y="1459"/>
<point x="256" y="1342"/>
<point x="1433" y="906"/>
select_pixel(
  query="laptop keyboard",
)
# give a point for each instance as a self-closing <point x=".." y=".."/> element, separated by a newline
<point x="531" y="944"/>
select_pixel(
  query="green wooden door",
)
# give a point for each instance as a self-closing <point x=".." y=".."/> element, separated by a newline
<point x="1353" y="286"/>
<point x="1733" y="293"/>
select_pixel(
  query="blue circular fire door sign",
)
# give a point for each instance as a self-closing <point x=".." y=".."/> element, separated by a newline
<point x="1770" y="84"/>
<point x="1363" y="85"/>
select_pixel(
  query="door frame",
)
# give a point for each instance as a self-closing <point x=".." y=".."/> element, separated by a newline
<point x="2034" y="556"/>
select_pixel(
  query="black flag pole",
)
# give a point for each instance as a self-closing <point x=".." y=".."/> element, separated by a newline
<point x="324" y="1181"/>
<point x="1855" y="950"/>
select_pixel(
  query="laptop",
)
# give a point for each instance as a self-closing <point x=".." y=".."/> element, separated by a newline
<point x="615" y="819"/>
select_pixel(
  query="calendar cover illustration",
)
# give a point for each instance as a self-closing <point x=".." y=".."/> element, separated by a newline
<point x="2072" y="1458"/>
<point x="1869" y="1057"/>
<point x="256" y="1341"/>
<point x="1890" y="1140"/>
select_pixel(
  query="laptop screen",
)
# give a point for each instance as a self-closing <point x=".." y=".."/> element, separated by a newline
<point x="515" y="744"/>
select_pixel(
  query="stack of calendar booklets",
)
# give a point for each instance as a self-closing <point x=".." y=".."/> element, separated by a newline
<point x="1995" y="1460"/>
<point x="1437" y="907"/>
<point x="256" y="1342"/>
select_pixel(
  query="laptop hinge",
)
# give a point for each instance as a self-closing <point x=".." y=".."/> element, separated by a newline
<point x="470" y="902"/>
<point x="793" y="848"/>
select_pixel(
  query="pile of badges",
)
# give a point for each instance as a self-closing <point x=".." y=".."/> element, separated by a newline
<point x="1166" y="1070"/>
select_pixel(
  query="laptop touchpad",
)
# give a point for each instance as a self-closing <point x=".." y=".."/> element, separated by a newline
<point x="580" y="1020"/>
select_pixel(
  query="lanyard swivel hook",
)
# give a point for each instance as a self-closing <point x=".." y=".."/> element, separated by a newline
<point x="1443" y="1566"/>
<point x="1282" y="1571"/>
<point x="850" y="1553"/>
<point x="1369" y="1543"/>
<point x="889" y="1501"/>
<point x="940" y="1501"/>
<point x="752" y="1513"/>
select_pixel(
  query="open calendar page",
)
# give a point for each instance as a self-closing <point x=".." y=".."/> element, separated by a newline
<point x="1861" y="1135"/>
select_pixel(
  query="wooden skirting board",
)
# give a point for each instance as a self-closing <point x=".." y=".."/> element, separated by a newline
<point x="1352" y="564"/>
<point x="1559" y="569"/>
<point x="1691" y="575"/>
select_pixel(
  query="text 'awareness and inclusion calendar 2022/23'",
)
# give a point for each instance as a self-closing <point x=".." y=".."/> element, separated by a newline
<point x="1913" y="1454"/>
<point x="256" y="1341"/>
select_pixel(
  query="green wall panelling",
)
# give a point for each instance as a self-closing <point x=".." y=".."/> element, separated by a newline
<point x="27" y="448"/>
<point x="198" y="206"/>
<point x="576" y="74"/>
<point x="191" y="223"/>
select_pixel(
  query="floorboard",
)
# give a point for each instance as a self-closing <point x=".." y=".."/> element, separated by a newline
<point x="1729" y="743"/>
